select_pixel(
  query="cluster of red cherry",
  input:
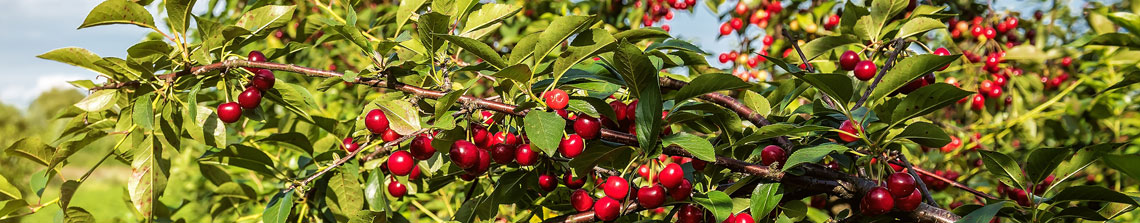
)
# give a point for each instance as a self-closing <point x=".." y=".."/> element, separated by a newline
<point x="662" y="9"/>
<point x="262" y="80"/>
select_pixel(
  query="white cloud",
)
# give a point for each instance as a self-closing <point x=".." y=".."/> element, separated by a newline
<point x="21" y="95"/>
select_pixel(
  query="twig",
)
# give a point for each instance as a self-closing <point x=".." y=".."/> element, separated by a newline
<point x="810" y="68"/>
<point x="901" y="45"/>
<point x="921" y="185"/>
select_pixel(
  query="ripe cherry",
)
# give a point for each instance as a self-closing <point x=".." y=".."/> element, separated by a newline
<point x="978" y="103"/>
<point x="504" y="138"/>
<point x="349" y="146"/>
<point x="682" y="192"/>
<point x="581" y="200"/>
<point x="690" y="213"/>
<point x="400" y="163"/>
<point x="547" y="182"/>
<point x="229" y="112"/>
<point x="723" y="58"/>
<point x="773" y="154"/>
<point x="487" y="117"/>
<point x="741" y="8"/>
<point x="571" y="146"/>
<point x="390" y="135"/>
<point x="865" y="70"/>
<point x="556" y="99"/>
<point x="743" y="217"/>
<point x="481" y="136"/>
<point x="900" y="184"/>
<point x="250" y="98"/>
<point x="848" y="60"/>
<point x="502" y="153"/>
<point x="255" y="56"/>
<point x="848" y="132"/>
<point x="263" y="79"/>
<point x="619" y="111"/>
<point x="954" y="144"/>
<point x="877" y="201"/>
<point x="376" y="121"/>
<point x="587" y="126"/>
<point x="671" y="176"/>
<point x="1066" y="62"/>
<point x="994" y="93"/>
<point x="651" y="196"/>
<point x="484" y="163"/>
<point x="832" y="21"/>
<point x="725" y="29"/>
<point x="464" y="154"/>
<point x="607" y="209"/>
<point x="768" y="40"/>
<point x="526" y="156"/>
<point x="644" y="171"/>
<point x="942" y="52"/>
<point x="736" y="23"/>
<point x="421" y="147"/>
<point x="999" y="80"/>
<point x="909" y="202"/>
<point x="573" y="182"/>
<point x="397" y="189"/>
<point x="616" y="187"/>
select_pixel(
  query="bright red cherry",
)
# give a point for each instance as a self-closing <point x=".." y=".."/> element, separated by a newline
<point x="736" y="23"/>
<point x="390" y="135"/>
<point x="900" y="184"/>
<point x="743" y="217"/>
<point x="773" y="154"/>
<point x="249" y="98"/>
<point x="723" y="58"/>
<point x="848" y="60"/>
<point x="768" y="40"/>
<point x="396" y="189"/>
<point x="607" y="209"/>
<point x="616" y="187"/>
<point x="994" y="93"/>
<point x="487" y="117"/>
<point x="990" y="32"/>
<point x="619" y="111"/>
<point x="1066" y="62"/>
<point x="573" y="182"/>
<point x="848" y="132"/>
<point x="942" y="52"/>
<point x="502" y="153"/>
<point x="556" y="99"/>
<point x="547" y="182"/>
<point x="400" y="163"/>
<point x="741" y="8"/>
<point x="644" y="171"/>
<point x="415" y="173"/>
<point x="587" y="127"/>
<point x="571" y="146"/>
<point x="525" y="156"/>
<point x="263" y="79"/>
<point x="504" y="138"/>
<point x="725" y="29"/>
<point x="978" y="103"/>
<point x="877" y="201"/>
<point x="999" y="80"/>
<point x="690" y="213"/>
<point x="671" y="176"/>
<point x="349" y="146"/>
<point x="376" y="121"/>
<point x="581" y="200"/>
<point x="865" y="70"/>
<point x="464" y="154"/>
<point x="651" y="196"/>
<point x="954" y="144"/>
<point x="730" y="219"/>
<point x="682" y="192"/>
<point x="229" y="112"/>
<point x="421" y="147"/>
<point x="910" y="202"/>
<point x="832" y="21"/>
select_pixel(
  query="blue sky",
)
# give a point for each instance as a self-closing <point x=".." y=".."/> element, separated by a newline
<point x="32" y="27"/>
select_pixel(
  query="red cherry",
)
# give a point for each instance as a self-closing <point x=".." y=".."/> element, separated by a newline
<point x="619" y="110"/>
<point x="573" y="182"/>
<point x="1066" y="62"/>
<point x="644" y="171"/>
<point x="736" y="23"/>
<point x="730" y="219"/>
<point x="690" y="213"/>
<point x="547" y="182"/>
<point x="376" y="121"/>
<point x="682" y="192"/>
<point x="819" y="201"/>
<point x="990" y="33"/>
<point x="587" y="126"/>
<point x="999" y="80"/>
<point x="768" y="40"/>
<point x="525" y="156"/>
<point x="631" y="111"/>
<point x="865" y="70"/>
<point x="263" y="79"/>
<point x="913" y="85"/>
<point x="616" y="187"/>
<point x="396" y="189"/>
<point x="349" y="146"/>
<point x="994" y="93"/>
<point x="502" y="153"/>
<point x="752" y="62"/>
<point x="400" y="163"/>
<point x="504" y="138"/>
<point x="390" y="135"/>
<point x="877" y="201"/>
<point x="671" y="176"/>
<point x="484" y="163"/>
<point x="978" y="102"/>
<point x="773" y="154"/>
<point x="421" y="147"/>
<point x="256" y="56"/>
<point x="556" y="99"/>
<point x="464" y="154"/>
<point x="249" y="98"/>
<point x="481" y="136"/>
<point x="415" y="173"/>
<point x="954" y="144"/>
<point x="743" y="217"/>
<point x="910" y="202"/>
<point x="732" y="55"/>
<point x="848" y="60"/>
<point x="581" y="200"/>
<point x="571" y="146"/>
<point x="725" y="29"/>
<point x="665" y="27"/>
<point x="651" y="196"/>
<point x="699" y="165"/>
<point x="741" y="8"/>
<point x="607" y="209"/>
<point x="942" y="52"/>
<point x="723" y="58"/>
<point x="229" y="112"/>
<point x="832" y="21"/>
<point x="487" y="117"/>
<point x="775" y="7"/>
<point x="848" y="127"/>
<point x="900" y="184"/>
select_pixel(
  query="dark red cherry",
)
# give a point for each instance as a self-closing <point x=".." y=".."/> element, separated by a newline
<point x="651" y="196"/>
<point x="573" y="182"/>
<point x="421" y="147"/>
<point x="229" y="112"/>
<point x="547" y="182"/>
<point x="263" y="79"/>
<point x="526" y="156"/>
<point x="773" y="154"/>
<point x="607" y="209"/>
<point x="690" y="213"/>
<point x="376" y="121"/>
<point x="250" y="98"/>
<point x="464" y="154"/>
<point x="503" y="153"/>
<point x="909" y="202"/>
<point x="877" y="201"/>
<point x="581" y="200"/>
<point x="848" y="60"/>
<point x="587" y="127"/>
<point x="484" y="163"/>
<point x="671" y="176"/>
<point x="571" y="146"/>
<point x="682" y="192"/>
<point x="900" y="184"/>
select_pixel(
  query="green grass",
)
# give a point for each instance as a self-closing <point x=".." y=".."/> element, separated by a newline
<point x="102" y="197"/>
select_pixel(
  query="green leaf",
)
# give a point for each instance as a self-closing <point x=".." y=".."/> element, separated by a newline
<point x="822" y="45"/>
<point x="585" y="44"/>
<point x="926" y="100"/>
<point x="520" y="73"/>
<point x="78" y="215"/>
<point x="641" y="76"/>
<point x="32" y="149"/>
<point x="1003" y="166"/>
<point x="925" y="134"/>
<point x="1109" y="39"/>
<point x="1124" y="163"/>
<point x="919" y="25"/>
<point x="1126" y="20"/>
<point x="293" y="97"/>
<point x="235" y="190"/>
<point x="559" y="29"/>
<point x="866" y="28"/>
<point x="479" y="49"/>
<point x="118" y="12"/>
<point x="1025" y="53"/>
<point x="403" y="116"/>
<point x="909" y="69"/>
<point x="883" y="10"/>
<point x="596" y="154"/>
<point x="756" y="102"/>
<point x="291" y="138"/>
<point x="344" y="195"/>
<point x="779" y="129"/>
<point x="8" y="190"/>
<point x="635" y="35"/>
<point x="719" y="203"/>
<point x="982" y="215"/>
<point x="508" y="185"/>
<point x="708" y="83"/>
<point x="11" y="206"/>
<point x="1129" y="79"/>
<point x="260" y="20"/>
<point x="838" y="86"/>
<point x="98" y="101"/>
<point x="700" y="148"/>
<point x="524" y="48"/>
<point x="765" y="198"/>
<point x="676" y="44"/>
<point x="374" y="190"/>
<point x="278" y="209"/>
<point x="407" y="8"/>
<point x="178" y="14"/>
<point x="1041" y="162"/>
<point x="851" y="15"/>
<point x="143" y="113"/>
<point x="487" y="15"/>
<point x="813" y="154"/>
<point x="1080" y="212"/>
<point x="544" y="129"/>
<point x="1093" y="193"/>
<point x="149" y="171"/>
<point x="39" y="181"/>
<point x="429" y="27"/>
